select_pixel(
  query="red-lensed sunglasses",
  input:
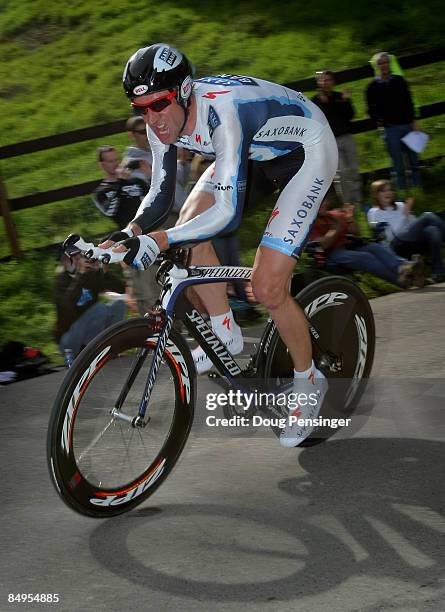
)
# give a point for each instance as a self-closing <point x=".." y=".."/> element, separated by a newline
<point x="156" y="105"/>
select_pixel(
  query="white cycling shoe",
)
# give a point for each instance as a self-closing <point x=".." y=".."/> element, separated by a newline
<point x="315" y="388"/>
<point x="234" y="342"/>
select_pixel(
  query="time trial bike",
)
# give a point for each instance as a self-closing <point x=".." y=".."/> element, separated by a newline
<point x="125" y="408"/>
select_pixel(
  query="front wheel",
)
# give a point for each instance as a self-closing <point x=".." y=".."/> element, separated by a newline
<point x="100" y="462"/>
<point x="343" y="340"/>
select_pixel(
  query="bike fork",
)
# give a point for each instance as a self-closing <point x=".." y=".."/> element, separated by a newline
<point x="138" y="421"/>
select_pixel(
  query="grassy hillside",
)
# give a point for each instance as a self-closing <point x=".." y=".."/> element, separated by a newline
<point x="63" y="64"/>
<point x="62" y="67"/>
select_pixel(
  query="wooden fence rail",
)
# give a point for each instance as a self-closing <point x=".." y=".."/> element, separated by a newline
<point x="115" y="127"/>
<point x="82" y="189"/>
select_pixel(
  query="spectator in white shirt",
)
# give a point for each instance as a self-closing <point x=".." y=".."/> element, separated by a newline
<point x="406" y="233"/>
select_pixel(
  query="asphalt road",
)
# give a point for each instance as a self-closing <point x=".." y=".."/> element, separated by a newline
<point x="352" y="524"/>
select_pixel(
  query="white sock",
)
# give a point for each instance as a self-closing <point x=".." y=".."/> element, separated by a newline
<point x="224" y="323"/>
<point x="227" y="330"/>
<point x="306" y="373"/>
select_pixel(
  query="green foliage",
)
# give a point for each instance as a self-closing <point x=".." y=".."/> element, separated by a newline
<point x="62" y="71"/>
<point x="26" y="310"/>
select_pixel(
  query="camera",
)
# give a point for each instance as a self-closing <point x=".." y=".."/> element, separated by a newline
<point x="132" y="164"/>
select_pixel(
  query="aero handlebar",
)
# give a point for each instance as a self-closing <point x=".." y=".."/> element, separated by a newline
<point x="90" y="251"/>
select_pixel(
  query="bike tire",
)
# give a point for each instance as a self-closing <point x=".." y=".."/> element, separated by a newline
<point x="100" y="465"/>
<point x="342" y="316"/>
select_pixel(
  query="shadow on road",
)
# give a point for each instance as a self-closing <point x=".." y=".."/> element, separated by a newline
<point x="362" y="506"/>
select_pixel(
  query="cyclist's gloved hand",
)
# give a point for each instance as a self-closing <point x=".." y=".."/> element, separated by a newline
<point x="142" y="251"/>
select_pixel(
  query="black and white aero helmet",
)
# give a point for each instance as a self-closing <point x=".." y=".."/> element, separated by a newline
<point x="156" y="68"/>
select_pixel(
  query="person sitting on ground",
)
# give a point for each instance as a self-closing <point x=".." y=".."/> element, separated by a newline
<point x="405" y="233"/>
<point x="80" y="316"/>
<point x="339" y="235"/>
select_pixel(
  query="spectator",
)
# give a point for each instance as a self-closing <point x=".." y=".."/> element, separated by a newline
<point x="136" y="165"/>
<point x="391" y="107"/>
<point x="119" y="196"/>
<point x="121" y="192"/>
<point x="339" y="111"/>
<point x="404" y="232"/>
<point x="140" y="151"/>
<point x="339" y="236"/>
<point x="80" y="317"/>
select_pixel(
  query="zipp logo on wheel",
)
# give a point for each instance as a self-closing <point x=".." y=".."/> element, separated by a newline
<point x="361" y="357"/>
<point x="123" y="497"/>
<point x="325" y="301"/>
<point x="96" y="364"/>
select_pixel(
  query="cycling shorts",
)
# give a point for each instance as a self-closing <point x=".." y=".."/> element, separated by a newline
<point x="302" y="179"/>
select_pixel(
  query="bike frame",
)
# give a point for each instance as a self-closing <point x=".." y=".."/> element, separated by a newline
<point x="173" y="302"/>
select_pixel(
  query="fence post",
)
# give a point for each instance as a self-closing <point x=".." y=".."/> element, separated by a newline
<point x="9" y="224"/>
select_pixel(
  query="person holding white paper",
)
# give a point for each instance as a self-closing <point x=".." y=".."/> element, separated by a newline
<point x="391" y="107"/>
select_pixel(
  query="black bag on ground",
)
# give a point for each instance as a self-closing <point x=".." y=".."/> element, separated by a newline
<point x="24" y="360"/>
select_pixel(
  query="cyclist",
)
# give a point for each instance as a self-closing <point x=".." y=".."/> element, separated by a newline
<point x="264" y="137"/>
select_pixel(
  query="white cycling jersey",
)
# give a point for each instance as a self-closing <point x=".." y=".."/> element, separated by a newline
<point x="238" y="119"/>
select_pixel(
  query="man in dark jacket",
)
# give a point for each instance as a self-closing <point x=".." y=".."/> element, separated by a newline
<point x="119" y="194"/>
<point x="339" y="111"/>
<point x="391" y="107"/>
<point x="80" y="317"/>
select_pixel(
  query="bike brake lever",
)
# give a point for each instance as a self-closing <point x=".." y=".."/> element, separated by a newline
<point x="76" y="241"/>
<point x="110" y="256"/>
